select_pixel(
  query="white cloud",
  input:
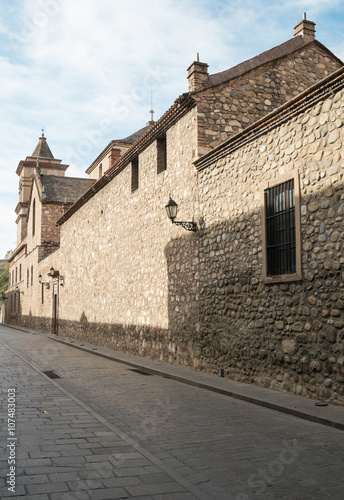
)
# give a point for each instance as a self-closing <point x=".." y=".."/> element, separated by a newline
<point x="8" y="233"/>
<point x="86" y="68"/>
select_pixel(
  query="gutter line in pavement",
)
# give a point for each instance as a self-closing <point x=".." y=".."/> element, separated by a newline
<point x="236" y="394"/>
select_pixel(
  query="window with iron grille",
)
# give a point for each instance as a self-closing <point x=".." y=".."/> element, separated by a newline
<point x="280" y="229"/>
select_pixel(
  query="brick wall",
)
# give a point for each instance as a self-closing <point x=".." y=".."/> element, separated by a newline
<point x="51" y="213"/>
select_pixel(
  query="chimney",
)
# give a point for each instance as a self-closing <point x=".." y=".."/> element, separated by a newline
<point x="306" y="29"/>
<point x="197" y="75"/>
<point x="114" y="155"/>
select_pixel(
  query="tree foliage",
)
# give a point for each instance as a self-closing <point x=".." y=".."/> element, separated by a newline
<point x="4" y="281"/>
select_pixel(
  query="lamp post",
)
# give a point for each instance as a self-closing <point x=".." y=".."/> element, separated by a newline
<point x="46" y="284"/>
<point x="171" y="210"/>
<point x="53" y="273"/>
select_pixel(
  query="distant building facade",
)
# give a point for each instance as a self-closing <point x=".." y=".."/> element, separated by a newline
<point x="253" y="155"/>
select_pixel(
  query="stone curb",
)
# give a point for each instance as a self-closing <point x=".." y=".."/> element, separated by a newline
<point x="282" y="402"/>
<point x="329" y="415"/>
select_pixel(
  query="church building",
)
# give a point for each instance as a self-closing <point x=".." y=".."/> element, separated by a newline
<point x="212" y="238"/>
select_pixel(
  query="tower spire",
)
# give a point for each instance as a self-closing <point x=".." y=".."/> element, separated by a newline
<point x="42" y="149"/>
<point x="151" y="122"/>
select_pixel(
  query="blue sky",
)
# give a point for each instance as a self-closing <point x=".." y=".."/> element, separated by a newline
<point x="85" y="70"/>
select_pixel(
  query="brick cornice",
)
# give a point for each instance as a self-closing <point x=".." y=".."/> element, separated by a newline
<point x="106" y="151"/>
<point x="181" y="106"/>
<point x="17" y="251"/>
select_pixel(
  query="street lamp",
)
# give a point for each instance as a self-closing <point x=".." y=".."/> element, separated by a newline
<point x="53" y="273"/>
<point x="171" y="210"/>
<point x="47" y="284"/>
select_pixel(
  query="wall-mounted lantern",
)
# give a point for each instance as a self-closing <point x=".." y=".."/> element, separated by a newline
<point x="46" y="284"/>
<point x="53" y="273"/>
<point x="171" y="210"/>
<point x="17" y="289"/>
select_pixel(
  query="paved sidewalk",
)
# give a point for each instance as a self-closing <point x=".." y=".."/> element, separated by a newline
<point x="331" y="415"/>
<point x="308" y="409"/>
<point x="61" y="449"/>
<point x="104" y="431"/>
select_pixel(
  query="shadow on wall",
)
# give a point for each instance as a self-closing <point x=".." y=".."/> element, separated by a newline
<point x="224" y="319"/>
<point x="286" y="336"/>
<point x="142" y="340"/>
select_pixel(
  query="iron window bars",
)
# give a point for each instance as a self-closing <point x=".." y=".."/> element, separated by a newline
<point x="280" y="229"/>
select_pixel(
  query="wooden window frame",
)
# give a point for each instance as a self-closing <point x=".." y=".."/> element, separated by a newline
<point x="297" y="276"/>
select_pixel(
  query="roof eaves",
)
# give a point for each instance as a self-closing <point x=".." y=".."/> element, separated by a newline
<point x="180" y="107"/>
<point x="329" y="51"/>
<point x="112" y="144"/>
<point x="17" y="251"/>
<point x="266" y="57"/>
<point x="278" y="52"/>
<point x="101" y="156"/>
<point x="323" y="88"/>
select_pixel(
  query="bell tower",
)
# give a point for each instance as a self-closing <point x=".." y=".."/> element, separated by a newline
<point x="43" y="162"/>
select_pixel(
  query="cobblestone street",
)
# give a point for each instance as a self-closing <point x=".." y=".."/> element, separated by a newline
<point x="106" y="430"/>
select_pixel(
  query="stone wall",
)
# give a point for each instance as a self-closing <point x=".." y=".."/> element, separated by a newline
<point x="286" y="336"/>
<point x="228" y="108"/>
<point x="32" y="306"/>
<point x="113" y="253"/>
<point x="21" y="228"/>
<point x="135" y="282"/>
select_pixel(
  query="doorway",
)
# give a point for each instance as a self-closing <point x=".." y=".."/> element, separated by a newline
<point x="55" y="323"/>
